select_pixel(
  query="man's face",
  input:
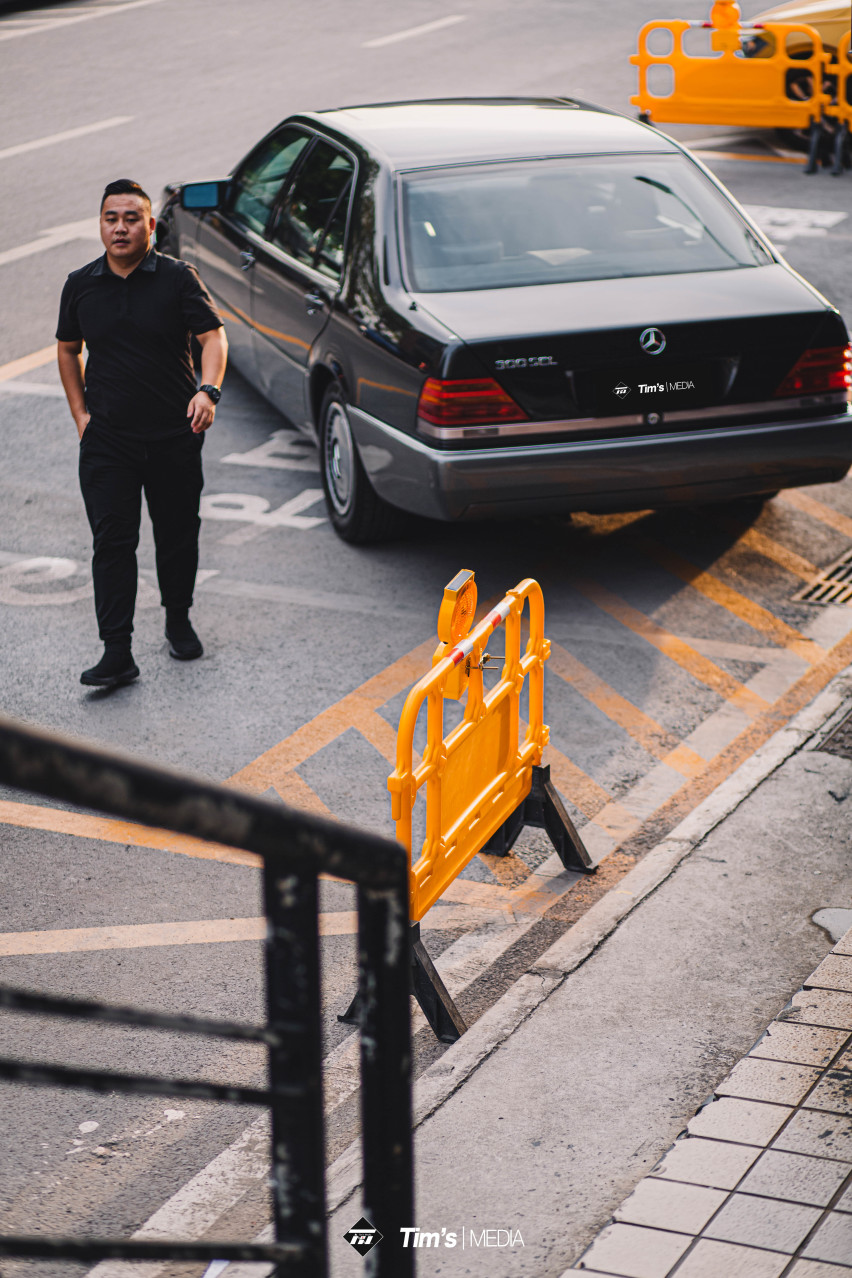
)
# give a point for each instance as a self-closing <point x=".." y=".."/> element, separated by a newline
<point x="126" y="227"/>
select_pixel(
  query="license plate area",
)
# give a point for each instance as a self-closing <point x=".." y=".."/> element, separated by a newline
<point x="662" y="388"/>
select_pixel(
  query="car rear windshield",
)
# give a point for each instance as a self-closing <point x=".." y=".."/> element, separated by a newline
<point x="579" y="218"/>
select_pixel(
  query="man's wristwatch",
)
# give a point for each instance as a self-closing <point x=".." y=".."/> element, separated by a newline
<point x="213" y="391"/>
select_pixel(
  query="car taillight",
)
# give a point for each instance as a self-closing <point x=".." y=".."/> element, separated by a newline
<point x="467" y="403"/>
<point x="817" y="371"/>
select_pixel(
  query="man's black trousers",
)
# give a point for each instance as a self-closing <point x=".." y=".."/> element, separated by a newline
<point x="114" y="472"/>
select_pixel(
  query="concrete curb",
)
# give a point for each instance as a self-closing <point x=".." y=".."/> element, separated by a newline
<point x="438" y="1083"/>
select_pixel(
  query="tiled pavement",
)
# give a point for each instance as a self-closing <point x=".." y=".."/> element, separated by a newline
<point x="760" y="1185"/>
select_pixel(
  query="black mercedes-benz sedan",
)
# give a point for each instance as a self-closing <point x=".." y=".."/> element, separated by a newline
<point x="514" y="306"/>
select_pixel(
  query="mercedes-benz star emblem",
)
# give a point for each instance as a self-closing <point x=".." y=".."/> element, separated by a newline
<point x="652" y="341"/>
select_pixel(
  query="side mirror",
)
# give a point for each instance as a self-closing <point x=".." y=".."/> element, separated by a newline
<point x="200" y="196"/>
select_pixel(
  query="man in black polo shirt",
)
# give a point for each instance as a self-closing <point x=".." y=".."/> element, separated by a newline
<point x="140" y="418"/>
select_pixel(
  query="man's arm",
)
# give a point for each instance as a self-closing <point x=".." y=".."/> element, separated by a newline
<point x="70" y="358"/>
<point x="214" y="358"/>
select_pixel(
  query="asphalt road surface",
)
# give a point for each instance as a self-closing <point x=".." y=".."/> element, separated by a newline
<point x="677" y="645"/>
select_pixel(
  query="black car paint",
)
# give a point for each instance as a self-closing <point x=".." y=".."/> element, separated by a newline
<point x="381" y="341"/>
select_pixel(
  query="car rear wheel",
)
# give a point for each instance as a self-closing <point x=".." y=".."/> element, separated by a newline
<point x="356" y="511"/>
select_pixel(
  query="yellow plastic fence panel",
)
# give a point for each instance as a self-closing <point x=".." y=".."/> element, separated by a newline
<point x="478" y="774"/>
<point x="772" y="89"/>
<point x="841" y="108"/>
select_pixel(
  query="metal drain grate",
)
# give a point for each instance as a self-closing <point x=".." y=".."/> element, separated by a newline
<point x="839" y="740"/>
<point x="832" y="586"/>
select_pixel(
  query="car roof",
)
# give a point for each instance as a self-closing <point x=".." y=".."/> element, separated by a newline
<point x="465" y="130"/>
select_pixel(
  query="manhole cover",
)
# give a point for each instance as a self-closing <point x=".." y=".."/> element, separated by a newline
<point x="832" y="586"/>
<point x="839" y="740"/>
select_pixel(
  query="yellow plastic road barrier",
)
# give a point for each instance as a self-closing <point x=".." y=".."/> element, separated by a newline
<point x="479" y="779"/>
<point x="841" y="108"/>
<point x="772" y="89"/>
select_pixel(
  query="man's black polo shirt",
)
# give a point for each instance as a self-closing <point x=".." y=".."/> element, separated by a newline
<point x="139" y="374"/>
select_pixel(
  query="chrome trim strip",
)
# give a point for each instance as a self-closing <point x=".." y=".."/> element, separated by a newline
<point x="573" y="425"/>
<point x="496" y="431"/>
<point x="520" y="452"/>
<point x="751" y="410"/>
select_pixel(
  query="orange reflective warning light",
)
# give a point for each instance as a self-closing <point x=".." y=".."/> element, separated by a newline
<point x="458" y="607"/>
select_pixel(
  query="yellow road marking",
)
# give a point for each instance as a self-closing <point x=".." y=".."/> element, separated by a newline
<point x="747" y="610"/>
<point x="27" y="363"/>
<point x="271" y="767"/>
<point x="30" y="816"/>
<point x="641" y="727"/>
<point x="586" y="795"/>
<point x="675" y="649"/>
<point x="817" y="510"/>
<point x="758" y="159"/>
<point x="298" y="794"/>
<point x="275" y="768"/>
<point x="754" y="539"/>
<point x="134" y="936"/>
<point x="753" y="737"/>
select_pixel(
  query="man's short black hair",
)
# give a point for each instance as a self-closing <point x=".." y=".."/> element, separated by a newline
<point x="124" y="186"/>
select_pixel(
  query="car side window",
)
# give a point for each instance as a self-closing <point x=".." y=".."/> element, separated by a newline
<point x="311" y="226"/>
<point x="328" y="258"/>
<point x="259" y="179"/>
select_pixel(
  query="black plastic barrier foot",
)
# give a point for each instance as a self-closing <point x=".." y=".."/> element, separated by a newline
<point x="544" y="810"/>
<point x="430" y="991"/>
<point x="432" y="994"/>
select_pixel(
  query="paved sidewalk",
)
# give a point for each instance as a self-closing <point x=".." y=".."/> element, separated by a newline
<point x="761" y="1184"/>
<point x="559" y="1103"/>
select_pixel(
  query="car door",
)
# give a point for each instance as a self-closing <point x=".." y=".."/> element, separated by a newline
<point x="228" y="238"/>
<point x="298" y="272"/>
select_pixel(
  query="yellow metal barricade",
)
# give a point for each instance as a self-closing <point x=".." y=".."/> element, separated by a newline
<point x="481" y="773"/>
<point x="773" y="89"/>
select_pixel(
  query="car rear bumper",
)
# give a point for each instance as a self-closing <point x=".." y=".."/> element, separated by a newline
<point x="711" y="464"/>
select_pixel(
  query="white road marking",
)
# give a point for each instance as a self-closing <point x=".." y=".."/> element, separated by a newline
<point x="785" y="224"/>
<point x="86" y="229"/>
<point x="284" y="450"/>
<point x="250" y="509"/>
<point x="302" y="597"/>
<point x="20" y="573"/>
<point x="66" y="136"/>
<point x="425" y="29"/>
<point x="210" y="581"/>
<point x="39" y="389"/>
<point x="88" y="16"/>
<point x="203" y="1200"/>
<point x="36" y="571"/>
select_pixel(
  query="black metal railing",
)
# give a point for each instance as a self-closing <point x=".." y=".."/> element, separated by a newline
<point x="295" y="848"/>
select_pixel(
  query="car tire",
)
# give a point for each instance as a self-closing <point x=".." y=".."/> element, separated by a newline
<point x="356" y="511"/>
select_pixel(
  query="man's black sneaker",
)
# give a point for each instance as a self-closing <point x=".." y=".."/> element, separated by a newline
<point x="114" y="668"/>
<point x="184" y="643"/>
